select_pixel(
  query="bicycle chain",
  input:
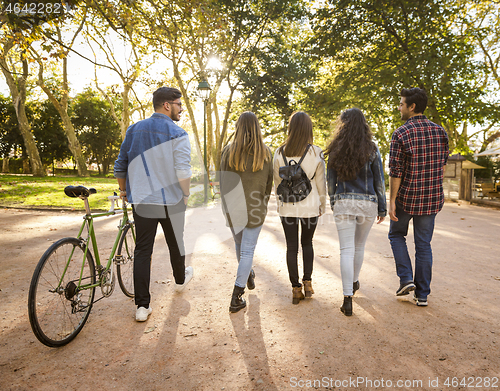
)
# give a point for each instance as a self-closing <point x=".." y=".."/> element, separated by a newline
<point x="107" y="280"/>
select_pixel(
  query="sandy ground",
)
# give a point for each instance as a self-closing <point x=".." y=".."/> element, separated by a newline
<point x="192" y="342"/>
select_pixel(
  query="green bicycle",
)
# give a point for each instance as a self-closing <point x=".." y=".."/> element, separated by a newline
<point x="62" y="288"/>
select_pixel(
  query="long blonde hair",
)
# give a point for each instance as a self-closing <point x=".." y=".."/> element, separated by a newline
<point x="248" y="141"/>
<point x="299" y="134"/>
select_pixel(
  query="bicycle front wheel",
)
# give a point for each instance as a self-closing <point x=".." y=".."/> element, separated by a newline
<point x="125" y="263"/>
<point x="57" y="306"/>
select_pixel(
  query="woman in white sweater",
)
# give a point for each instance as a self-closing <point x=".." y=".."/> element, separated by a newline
<point x="306" y="212"/>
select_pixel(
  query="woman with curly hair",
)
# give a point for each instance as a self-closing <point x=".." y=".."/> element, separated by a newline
<point x="356" y="186"/>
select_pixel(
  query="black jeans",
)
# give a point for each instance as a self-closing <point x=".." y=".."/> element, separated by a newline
<point x="291" y="228"/>
<point x="146" y="219"/>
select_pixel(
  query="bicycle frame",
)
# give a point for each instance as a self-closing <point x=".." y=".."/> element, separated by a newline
<point x="91" y="237"/>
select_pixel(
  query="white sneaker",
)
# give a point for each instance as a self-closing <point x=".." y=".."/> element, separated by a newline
<point x="188" y="276"/>
<point x="142" y="313"/>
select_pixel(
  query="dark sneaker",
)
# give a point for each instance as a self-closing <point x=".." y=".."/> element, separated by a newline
<point x="420" y="302"/>
<point x="405" y="288"/>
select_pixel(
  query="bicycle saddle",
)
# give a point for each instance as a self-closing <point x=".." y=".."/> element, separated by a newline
<point x="77" y="191"/>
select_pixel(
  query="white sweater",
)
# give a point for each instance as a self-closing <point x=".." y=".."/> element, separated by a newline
<point x="313" y="165"/>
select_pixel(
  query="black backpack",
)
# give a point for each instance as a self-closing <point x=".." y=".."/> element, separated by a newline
<point x="295" y="185"/>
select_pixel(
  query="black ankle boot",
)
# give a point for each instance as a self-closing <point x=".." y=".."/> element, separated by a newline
<point x="355" y="287"/>
<point x="237" y="303"/>
<point x="347" y="306"/>
<point x="251" y="280"/>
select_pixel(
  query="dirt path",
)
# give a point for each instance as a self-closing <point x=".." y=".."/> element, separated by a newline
<point x="195" y="344"/>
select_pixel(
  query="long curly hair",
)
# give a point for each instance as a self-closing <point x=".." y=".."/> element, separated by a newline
<point x="351" y="146"/>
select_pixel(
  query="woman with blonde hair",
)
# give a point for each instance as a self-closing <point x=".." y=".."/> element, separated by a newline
<point x="304" y="213"/>
<point x="245" y="174"/>
<point x="357" y="194"/>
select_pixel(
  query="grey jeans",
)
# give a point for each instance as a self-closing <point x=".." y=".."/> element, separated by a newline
<point x="353" y="232"/>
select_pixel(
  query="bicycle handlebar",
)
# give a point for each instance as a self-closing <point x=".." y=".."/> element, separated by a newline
<point x="114" y="199"/>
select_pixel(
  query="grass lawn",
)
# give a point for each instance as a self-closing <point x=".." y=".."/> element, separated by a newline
<point x="24" y="191"/>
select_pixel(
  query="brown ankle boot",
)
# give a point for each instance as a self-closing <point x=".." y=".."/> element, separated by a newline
<point x="308" y="289"/>
<point x="297" y="294"/>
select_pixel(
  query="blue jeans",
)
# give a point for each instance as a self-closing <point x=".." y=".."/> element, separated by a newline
<point x="423" y="228"/>
<point x="244" y="243"/>
<point x="353" y="232"/>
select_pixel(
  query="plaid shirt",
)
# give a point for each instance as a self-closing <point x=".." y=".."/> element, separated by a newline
<point x="419" y="152"/>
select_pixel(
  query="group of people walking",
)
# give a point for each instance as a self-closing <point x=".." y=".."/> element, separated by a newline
<point x="355" y="186"/>
<point x="350" y="169"/>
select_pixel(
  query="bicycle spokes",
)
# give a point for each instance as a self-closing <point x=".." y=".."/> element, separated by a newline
<point x="61" y="292"/>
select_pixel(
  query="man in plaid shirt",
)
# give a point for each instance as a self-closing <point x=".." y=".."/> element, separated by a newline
<point x="419" y="152"/>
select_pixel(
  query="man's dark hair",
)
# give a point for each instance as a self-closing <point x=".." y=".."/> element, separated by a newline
<point x="417" y="96"/>
<point x="165" y="94"/>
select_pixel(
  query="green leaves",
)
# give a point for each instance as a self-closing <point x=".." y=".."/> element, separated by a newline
<point x="98" y="133"/>
<point x="381" y="46"/>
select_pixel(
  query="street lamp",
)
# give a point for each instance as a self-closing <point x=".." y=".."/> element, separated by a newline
<point x="204" y="93"/>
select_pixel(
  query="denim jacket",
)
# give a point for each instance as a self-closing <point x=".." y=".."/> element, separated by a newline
<point x="155" y="154"/>
<point x="369" y="185"/>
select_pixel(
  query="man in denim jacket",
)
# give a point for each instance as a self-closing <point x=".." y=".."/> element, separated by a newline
<point x="154" y="172"/>
<point x="419" y="152"/>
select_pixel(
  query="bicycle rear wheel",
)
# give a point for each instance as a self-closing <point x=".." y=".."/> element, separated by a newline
<point x="125" y="263"/>
<point x="57" y="308"/>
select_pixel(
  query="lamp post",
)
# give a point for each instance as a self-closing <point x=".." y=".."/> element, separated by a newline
<point x="204" y="93"/>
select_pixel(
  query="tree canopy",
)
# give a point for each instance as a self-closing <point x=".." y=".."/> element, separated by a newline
<point x="273" y="58"/>
<point x="98" y="133"/>
<point x="378" y="47"/>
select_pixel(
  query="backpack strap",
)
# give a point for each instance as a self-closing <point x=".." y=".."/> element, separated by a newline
<point x="304" y="155"/>
<point x="302" y="158"/>
<point x="284" y="157"/>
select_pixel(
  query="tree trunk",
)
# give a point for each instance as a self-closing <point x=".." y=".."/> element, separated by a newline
<point x="74" y="144"/>
<point x="18" y="93"/>
<point x="189" y="108"/>
<point x="37" y="168"/>
<point x="5" y="165"/>
<point x="210" y="132"/>
<point x="223" y="135"/>
<point x="125" y="122"/>
<point x="62" y="107"/>
<point x="105" y="167"/>
<point x="26" y="165"/>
